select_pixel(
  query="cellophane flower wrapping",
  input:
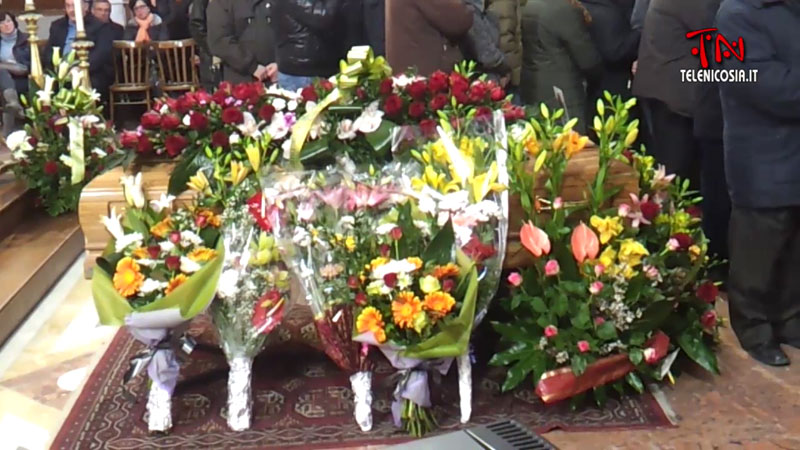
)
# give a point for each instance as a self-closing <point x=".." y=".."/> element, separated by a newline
<point x="329" y="234"/>
<point x="252" y="294"/>
<point x="160" y="270"/>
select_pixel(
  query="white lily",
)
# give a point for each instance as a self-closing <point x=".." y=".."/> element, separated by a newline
<point x="128" y="240"/>
<point x="63" y="70"/>
<point x="370" y="119"/>
<point x="287" y="149"/>
<point x="345" y="130"/>
<point x="45" y="95"/>
<point x="89" y="120"/>
<point x="77" y="77"/>
<point x="165" y="202"/>
<point x="132" y="188"/>
<point x="249" y="127"/>
<point x="189" y="266"/>
<point x="18" y="143"/>
<point x="279" y="127"/>
<point x="113" y="224"/>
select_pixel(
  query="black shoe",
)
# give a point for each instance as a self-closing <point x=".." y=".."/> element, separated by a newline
<point x="770" y="354"/>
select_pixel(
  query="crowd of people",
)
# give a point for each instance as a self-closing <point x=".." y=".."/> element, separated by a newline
<point x="565" y="53"/>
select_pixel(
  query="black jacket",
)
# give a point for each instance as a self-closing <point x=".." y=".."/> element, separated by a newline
<point x="375" y="25"/>
<point x="309" y="37"/>
<point x="22" y="55"/>
<point x="101" y="70"/>
<point x="617" y="43"/>
<point x="240" y="33"/>
<point x="762" y="119"/>
<point x="117" y="31"/>
<point x="198" y="27"/>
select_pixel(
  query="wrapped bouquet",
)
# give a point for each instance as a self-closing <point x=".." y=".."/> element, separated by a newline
<point x="160" y="270"/>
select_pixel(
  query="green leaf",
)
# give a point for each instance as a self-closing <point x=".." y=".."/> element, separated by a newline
<point x="637" y="338"/>
<point x="135" y="223"/>
<point x="518" y="372"/>
<point x="636" y="355"/>
<point x="635" y="382"/>
<point x="512" y="332"/>
<point x="316" y="153"/>
<point x="538" y="305"/>
<point x="560" y="304"/>
<point x="607" y="331"/>
<point x="515" y="353"/>
<point x="582" y="320"/>
<point x="578" y="365"/>
<point x="209" y="235"/>
<point x="381" y="139"/>
<point x="440" y="250"/>
<point x="653" y="316"/>
<point x="691" y="341"/>
<point x="600" y="395"/>
<point x="185" y="169"/>
<point x="109" y="263"/>
<point x="516" y="300"/>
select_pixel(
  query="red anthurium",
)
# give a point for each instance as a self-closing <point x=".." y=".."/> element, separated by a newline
<point x="535" y="240"/>
<point x="585" y="244"/>
<point x="268" y="312"/>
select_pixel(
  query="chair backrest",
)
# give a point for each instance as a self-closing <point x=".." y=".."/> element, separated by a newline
<point x="131" y="63"/>
<point x="176" y="66"/>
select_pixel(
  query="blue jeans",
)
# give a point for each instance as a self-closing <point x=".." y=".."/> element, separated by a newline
<point x="292" y="82"/>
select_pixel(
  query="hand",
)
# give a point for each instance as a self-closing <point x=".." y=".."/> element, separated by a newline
<point x="272" y="72"/>
<point x="260" y="73"/>
<point x="634" y="67"/>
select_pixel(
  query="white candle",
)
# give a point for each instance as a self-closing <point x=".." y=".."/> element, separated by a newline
<point x="79" y="17"/>
<point x="29" y="6"/>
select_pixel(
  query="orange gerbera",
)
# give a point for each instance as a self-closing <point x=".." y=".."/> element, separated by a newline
<point x="161" y="229"/>
<point x="371" y="319"/>
<point x="211" y="218"/>
<point x="405" y="308"/>
<point x="175" y="282"/>
<point x="128" y="277"/>
<point x="447" y="270"/>
<point x="417" y="262"/>
<point x="202" y="254"/>
<point x="140" y="253"/>
<point x="439" y="303"/>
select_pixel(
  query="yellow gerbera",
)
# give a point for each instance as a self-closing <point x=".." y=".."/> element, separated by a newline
<point x="161" y="229"/>
<point x="140" y="253"/>
<point x="405" y="308"/>
<point x="202" y="254"/>
<point x="439" y="304"/>
<point x="608" y="227"/>
<point x="448" y="270"/>
<point x="175" y="282"/>
<point x="371" y="319"/>
<point x="417" y="262"/>
<point x="128" y="277"/>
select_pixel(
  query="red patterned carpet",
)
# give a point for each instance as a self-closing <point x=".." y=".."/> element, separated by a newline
<point x="301" y="400"/>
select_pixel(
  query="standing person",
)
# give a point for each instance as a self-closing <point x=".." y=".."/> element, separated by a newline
<point x="640" y="8"/>
<point x="558" y="52"/>
<point x="482" y="44"/>
<point x="374" y="13"/>
<point x="425" y="33"/>
<point x="145" y="25"/>
<point x="762" y="162"/>
<point x="309" y="40"/>
<point x="101" y="10"/>
<point x="15" y="51"/>
<point x="198" y="29"/>
<point x="663" y="52"/>
<point x="240" y="33"/>
<point x="508" y="16"/>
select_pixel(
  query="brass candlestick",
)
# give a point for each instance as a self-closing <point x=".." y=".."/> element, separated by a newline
<point x="82" y="47"/>
<point x="31" y="19"/>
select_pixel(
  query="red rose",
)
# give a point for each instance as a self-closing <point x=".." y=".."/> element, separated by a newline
<point x="175" y="237"/>
<point x="309" y="94"/>
<point x="170" y="122"/>
<point x="396" y="233"/>
<point x="151" y="120"/>
<point x="416" y="109"/>
<point x="361" y="299"/>
<point x="225" y="87"/>
<point x="232" y="116"/>
<point x="185" y="103"/>
<point x="203" y="97"/>
<point x="220" y="139"/>
<point x="462" y="97"/>
<point x="448" y="285"/>
<point x="33" y="141"/>
<point x="353" y="282"/>
<point x="599" y="321"/>
<point x="428" y="127"/>
<point x="173" y="262"/>
<point x="437" y="82"/>
<point x="483" y="112"/>
<point x="326" y="85"/>
<point x="684" y="241"/>
<point x="361" y="93"/>
<point x="198" y="121"/>
<point x="154" y="251"/>
<point x="418" y="89"/>
<point x="244" y="91"/>
<point x="201" y="221"/>
<point x="172" y="104"/>
<point x="51" y="168"/>
<point x="477" y="93"/>
<point x="129" y="139"/>
<point x="513" y="113"/>
<point x="93" y="131"/>
<point x="439" y="101"/>
<point x="387" y="86"/>
<point x="385" y="250"/>
<point x="709" y="319"/>
<point x="707" y="292"/>
<point x="219" y="98"/>
<point x="650" y="210"/>
<point x="393" y="105"/>
<point x="390" y="280"/>
<point x="497" y="94"/>
<point x="175" y="144"/>
<point x="695" y="211"/>
<point x="144" y="146"/>
<point x="458" y="82"/>
<point x="266" y="112"/>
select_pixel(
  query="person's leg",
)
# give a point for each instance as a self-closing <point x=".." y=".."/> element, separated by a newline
<point x="758" y="240"/>
<point x="787" y="318"/>
<point x="673" y="143"/>
<point x="716" y="201"/>
<point x="292" y="82"/>
<point x="11" y="106"/>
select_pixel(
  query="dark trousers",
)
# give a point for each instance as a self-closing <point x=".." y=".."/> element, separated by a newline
<point x="716" y="201"/>
<point x="673" y="143"/>
<point x="764" y="283"/>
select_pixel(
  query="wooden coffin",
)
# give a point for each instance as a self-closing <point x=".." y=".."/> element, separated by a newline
<point x="105" y="192"/>
<point x="580" y="172"/>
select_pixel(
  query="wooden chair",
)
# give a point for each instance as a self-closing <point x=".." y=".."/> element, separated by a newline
<point x="131" y="75"/>
<point x="177" y="71"/>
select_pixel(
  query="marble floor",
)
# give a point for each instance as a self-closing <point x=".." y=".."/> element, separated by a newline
<point x="44" y="365"/>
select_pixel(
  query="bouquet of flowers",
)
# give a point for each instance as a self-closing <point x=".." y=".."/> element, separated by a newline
<point x="159" y="271"/>
<point x="612" y="290"/>
<point x="66" y="142"/>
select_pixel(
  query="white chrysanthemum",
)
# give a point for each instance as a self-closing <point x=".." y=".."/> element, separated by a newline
<point x="228" y="285"/>
<point x="150" y="263"/>
<point x="279" y="104"/>
<point x="347" y="221"/>
<point x="189" y="266"/>
<point x="166" y="246"/>
<point x="394" y="266"/>
<point x="150" y="285"/>
<point x="189" y="238"/>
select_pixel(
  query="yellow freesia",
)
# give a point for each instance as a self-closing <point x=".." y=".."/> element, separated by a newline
<point x="199" y="183"/>
<point x="608" y="227"/>
<point x="238" y="173"/>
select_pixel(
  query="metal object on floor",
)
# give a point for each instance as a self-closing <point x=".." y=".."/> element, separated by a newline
<point x="504" y="435"/>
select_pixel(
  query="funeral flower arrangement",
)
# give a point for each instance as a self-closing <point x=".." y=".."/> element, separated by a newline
<point x="66" y="142"/>
<point x="612" y="291"/>
<point x="160" y="270"/>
